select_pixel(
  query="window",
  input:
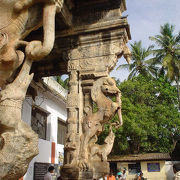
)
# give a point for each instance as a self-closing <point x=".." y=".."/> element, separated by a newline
<point x="39" y="122"/>
<point x="61" y="132"/>
<point x="134" y="168"/>
<point x="113" y="167"/>
<point x="153" y="167"/>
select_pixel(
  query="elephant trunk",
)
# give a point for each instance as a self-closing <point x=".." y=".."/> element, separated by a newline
<point x="49" y="27"/>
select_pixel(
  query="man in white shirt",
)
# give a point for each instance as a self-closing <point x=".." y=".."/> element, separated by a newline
<point x="124" y="175"/>
<point x="48" y="174"/>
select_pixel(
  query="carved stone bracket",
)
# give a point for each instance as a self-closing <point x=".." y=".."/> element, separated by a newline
<point x="81" y="149"/>
<point x="18" y="142"/>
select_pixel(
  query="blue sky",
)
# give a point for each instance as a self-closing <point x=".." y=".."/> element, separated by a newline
<point x="145" y="18"/>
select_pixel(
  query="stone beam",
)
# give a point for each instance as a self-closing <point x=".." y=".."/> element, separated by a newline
<point x="99" y="26"/>
<point x="67" y="41"/>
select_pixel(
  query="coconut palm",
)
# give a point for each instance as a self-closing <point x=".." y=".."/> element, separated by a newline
<point x="168" y="53"/>
<point x="141" y="64"/>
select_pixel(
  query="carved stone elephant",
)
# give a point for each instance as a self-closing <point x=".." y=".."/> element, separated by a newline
<point x="18" y="142"/>
<point x="18" y="19"/>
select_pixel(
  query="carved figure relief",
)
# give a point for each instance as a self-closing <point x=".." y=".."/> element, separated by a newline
<point x="71" y="146"/>
<point x="71" y="150"/>
<point x="93" y="123"/>
<point x="100" y="152"/>
<point x="82" y="151"/>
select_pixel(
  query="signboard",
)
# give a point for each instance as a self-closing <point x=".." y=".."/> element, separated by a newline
<point x="61" y="158"/>
<point x="153" y="167"/>
<point x="40" y="169"/>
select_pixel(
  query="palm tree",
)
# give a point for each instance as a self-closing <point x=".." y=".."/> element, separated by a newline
<point x="168" y="54"/>
<point x="140" y="62"/>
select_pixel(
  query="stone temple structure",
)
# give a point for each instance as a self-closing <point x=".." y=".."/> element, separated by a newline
<point x="82" y="38"/>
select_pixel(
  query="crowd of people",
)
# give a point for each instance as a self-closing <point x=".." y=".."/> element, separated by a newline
<point x="122" y="176"/>
<point x="139" y="176"/>
<point x="119" y="176"/>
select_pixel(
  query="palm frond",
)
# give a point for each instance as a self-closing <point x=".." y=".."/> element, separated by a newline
<point x="132" y="74"/>
<point x="151" y="61"/>
<point x="123" y="66"/>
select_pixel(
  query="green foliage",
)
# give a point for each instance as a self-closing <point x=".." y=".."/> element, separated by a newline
<point x="167" y="55"/>
<point x="103" y="134"/>
<point x="151" y="120"/>
<point x="140" y="63"/>
<point x="168" y="51"/>
<point x="63" y="83"/>
<point x="150" y="105"/>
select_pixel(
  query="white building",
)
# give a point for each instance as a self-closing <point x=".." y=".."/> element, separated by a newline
<point x="44" y="109"/>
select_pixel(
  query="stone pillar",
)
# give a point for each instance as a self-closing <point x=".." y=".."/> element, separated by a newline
<point x="92" y="48"/>
<point x="71" y="147"/>
<point x="89" y="64"/>
<point x="75" y="111"/>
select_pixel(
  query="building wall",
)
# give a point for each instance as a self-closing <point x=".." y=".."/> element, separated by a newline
<point x="149" y="175"/>
<point x="56" y="108"/>
<point x="154" y="175"/>
<point x="44" y="156"/>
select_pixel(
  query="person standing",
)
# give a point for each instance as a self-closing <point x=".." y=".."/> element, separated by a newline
<point x="176" y="169"/>
<point x="140" y="177"/>
<point x="111" y="177"/>
<point x="48" y="175"/>
<point x="124" y="175"/>
<point x="119" y="177"/>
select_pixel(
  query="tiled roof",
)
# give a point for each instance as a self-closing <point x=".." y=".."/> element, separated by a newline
<point x="140" y="157"/>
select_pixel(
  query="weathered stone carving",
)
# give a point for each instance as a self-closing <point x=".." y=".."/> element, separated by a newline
<point x="72" y="143"/>
<point x="100" y="152"/>
<point x="18" y="19"/>
<point x="94" y="122"/>
<point x="70" y="157"/>
<point x="18" y="143"/>
<point x="81" y="150"/>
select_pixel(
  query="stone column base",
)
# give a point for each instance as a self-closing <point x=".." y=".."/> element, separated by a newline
<point x="100" y="169"/>
<point x="73" y="173"/>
